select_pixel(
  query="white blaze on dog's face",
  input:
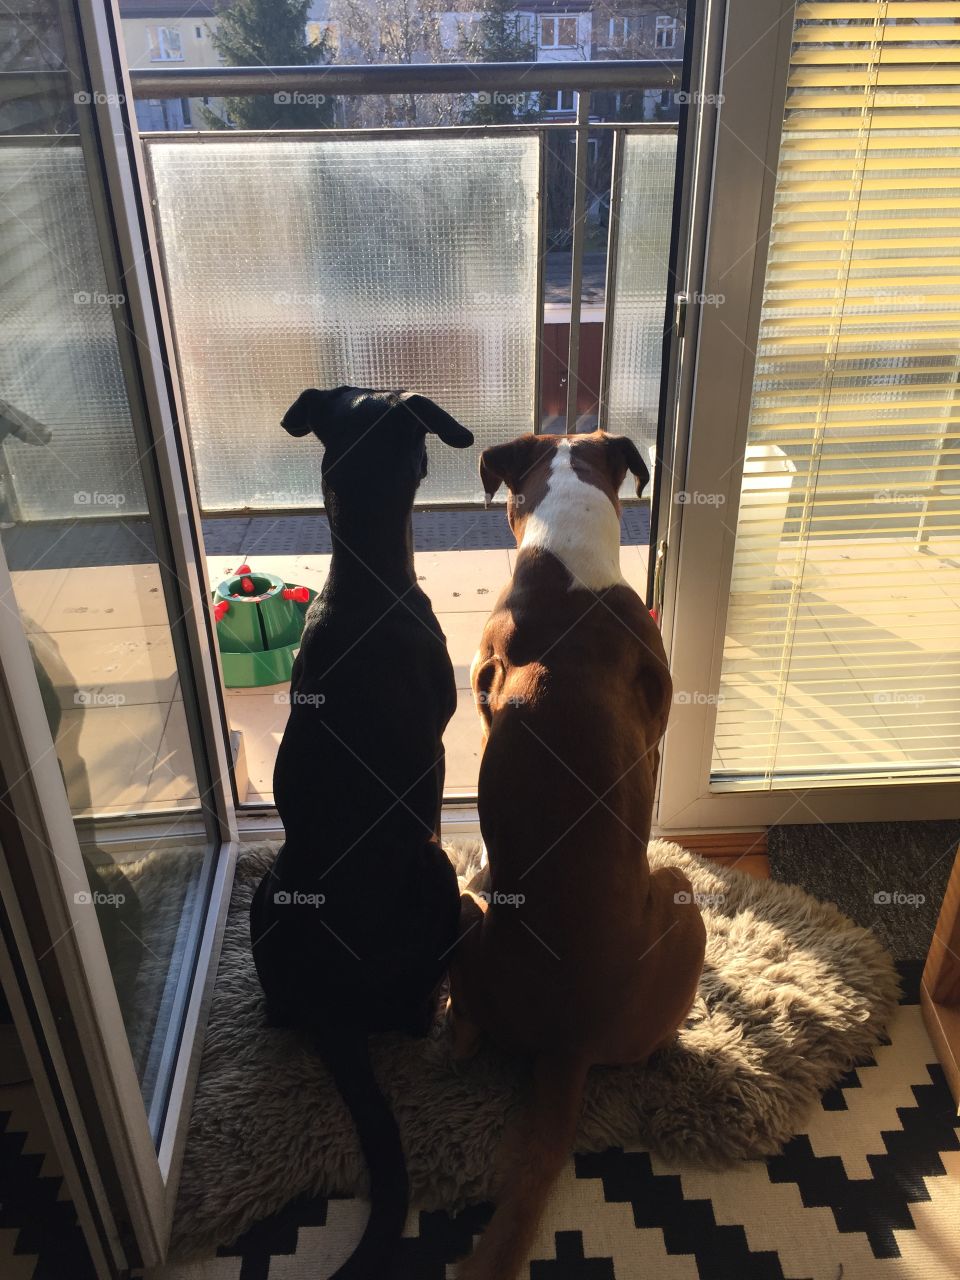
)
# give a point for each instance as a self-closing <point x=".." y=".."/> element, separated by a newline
<point x="563" y="499"/>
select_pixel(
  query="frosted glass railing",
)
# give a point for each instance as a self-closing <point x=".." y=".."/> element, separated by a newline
<point x="640" y="286"/>
<point x="59" y="360"/>
<point x="400" y="263"/>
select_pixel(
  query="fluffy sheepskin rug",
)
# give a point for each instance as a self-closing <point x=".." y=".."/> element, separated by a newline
<point x="793" y="994"/>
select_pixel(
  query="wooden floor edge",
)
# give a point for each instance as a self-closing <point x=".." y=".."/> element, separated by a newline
<point x="943" y="1025"/>
<point x="719" y="843"/>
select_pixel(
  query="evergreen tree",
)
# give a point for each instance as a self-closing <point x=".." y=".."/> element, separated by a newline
<point x="500" y="34"/>
<point x="270" y="33"/>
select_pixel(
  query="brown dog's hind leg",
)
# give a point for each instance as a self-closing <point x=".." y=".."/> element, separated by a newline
<point x="464" y="1033"/>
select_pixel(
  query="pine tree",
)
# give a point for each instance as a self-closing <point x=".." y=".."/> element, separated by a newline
<point x="270" y="33"/>
<point x="500" y="34"/>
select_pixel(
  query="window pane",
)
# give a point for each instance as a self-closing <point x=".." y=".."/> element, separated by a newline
<point x="640" y="285"/>
<point x="408" y="264"/>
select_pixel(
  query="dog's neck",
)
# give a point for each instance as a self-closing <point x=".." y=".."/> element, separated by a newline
<point x="576" y="522"/>
<point x="373" y="547"/>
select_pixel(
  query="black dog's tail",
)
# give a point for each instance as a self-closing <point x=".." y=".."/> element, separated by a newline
<point x="348" y="1057"/>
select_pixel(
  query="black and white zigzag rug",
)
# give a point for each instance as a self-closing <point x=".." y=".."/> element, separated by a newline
<point x="870" y="1189"/>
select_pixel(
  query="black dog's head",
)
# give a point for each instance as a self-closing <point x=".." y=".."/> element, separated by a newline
<point x="375" y="441"/>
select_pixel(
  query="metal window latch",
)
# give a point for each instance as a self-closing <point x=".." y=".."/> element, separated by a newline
<point x="659" y="576"/>
<point x="680" y="301"/>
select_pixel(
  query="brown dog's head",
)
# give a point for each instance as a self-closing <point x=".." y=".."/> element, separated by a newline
<point x="523" y="465"/>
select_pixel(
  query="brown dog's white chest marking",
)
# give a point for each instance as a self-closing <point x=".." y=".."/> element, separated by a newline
<point x="577" y="522"/>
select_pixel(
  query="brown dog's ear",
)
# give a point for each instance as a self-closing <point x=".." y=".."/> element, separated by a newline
<point x="628" y="456"/>
<point x="509" y="463"/>
<point x="437" y="421"/>
<point x="314" y="411"/>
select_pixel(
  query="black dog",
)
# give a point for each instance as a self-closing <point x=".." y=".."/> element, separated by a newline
<point x="353" y="926"/>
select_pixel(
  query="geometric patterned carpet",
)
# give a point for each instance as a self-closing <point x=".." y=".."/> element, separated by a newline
<point x="870" y="1189"/>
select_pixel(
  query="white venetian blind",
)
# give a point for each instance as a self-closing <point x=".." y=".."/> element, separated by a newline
<point x="842" y="652"/>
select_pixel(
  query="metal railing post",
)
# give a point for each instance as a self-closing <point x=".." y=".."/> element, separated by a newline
<point x="541" y="281"/>
<point x="613" y="243"/>
<point x="582" y="138"/>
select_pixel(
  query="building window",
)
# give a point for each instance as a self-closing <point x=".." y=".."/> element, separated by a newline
<point x="619" y="29"/>
<point x="558" y="33"/>
<point x="666" y="35"/>
<point x="562" y="100"/>
<point x="198" y="32"/>
<point x="185" y="108"/>
<point x="165" y="44"/>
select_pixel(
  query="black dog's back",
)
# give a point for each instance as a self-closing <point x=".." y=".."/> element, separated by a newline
<point x="353" y="925"/>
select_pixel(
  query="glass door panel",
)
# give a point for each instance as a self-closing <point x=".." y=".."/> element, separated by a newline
<point x="86" y="580"/>
<point x="842" y="649"/>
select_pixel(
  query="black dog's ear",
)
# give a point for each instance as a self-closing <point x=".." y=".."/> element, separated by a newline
<point x="628" y="455"/>
<point x="437" y="421"/>
<point x="312" y="410"/>
<point x="509" y="463"/>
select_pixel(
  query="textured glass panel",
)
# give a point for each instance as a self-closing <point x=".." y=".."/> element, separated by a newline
<point x="640" y="285"/>
<point x="58" y="348"/>
<point x="407" y="263"/>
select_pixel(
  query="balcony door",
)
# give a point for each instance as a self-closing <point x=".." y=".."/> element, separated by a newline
<point x="814" y="528"/>
<point x="116" y="809"/>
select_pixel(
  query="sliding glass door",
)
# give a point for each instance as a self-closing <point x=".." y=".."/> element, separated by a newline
<point x="820" y="673"/>
<point x="115" y="798"/>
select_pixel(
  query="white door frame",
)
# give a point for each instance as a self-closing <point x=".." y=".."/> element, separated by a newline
<point x="718" y="359"/>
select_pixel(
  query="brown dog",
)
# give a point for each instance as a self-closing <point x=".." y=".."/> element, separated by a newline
<point x="583" y="955"/>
